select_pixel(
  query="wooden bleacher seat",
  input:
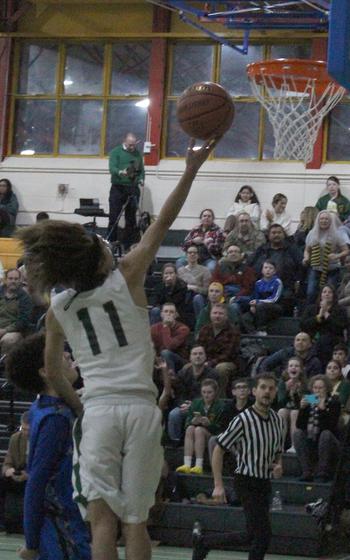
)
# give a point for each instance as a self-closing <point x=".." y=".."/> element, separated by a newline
<point x="10" y="251"/>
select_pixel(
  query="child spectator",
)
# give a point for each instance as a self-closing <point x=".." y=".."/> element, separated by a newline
<point x="290" y="390"/>
<point x="53" y="527"/>
<point x="245" y="201"/>
<point x="334" y="201"/>
<point x="203" y="420"/>
<point x="340" y="354"/>
<point x="263" y="307"/>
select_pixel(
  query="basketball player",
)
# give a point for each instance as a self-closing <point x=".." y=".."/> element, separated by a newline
<point x="102" y="313"/>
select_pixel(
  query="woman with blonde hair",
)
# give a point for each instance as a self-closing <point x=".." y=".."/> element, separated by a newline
<point x="324" y="249"/>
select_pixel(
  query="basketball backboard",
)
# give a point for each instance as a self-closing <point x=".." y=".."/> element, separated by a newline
<point x="339" y="42"/>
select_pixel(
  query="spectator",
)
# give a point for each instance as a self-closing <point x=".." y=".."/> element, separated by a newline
<point x="306" y="223"/>
<point x="303" y="348"/>
<point x="340" y="387"/>
<point x="215" y="295"/>
<point x="315" y="437"/>
<point x="264" y="306"/>
<point x="208" y="237"/>
<point x="170" y="338"/>
<point x="241" y="399"/>
<point x="127" y="176"/>
<point x="15" y="310"/>
<point x="324" y="249"/>
<point x="171" y="289"/>
<point x="203" y="420"/>
<point x="8" y="208"/>
<point x="53" y="526"/>
<point x="287" y="260"/>
<point x="197" y="279"/>
<point x="221" y="343"/>
<point x="290" y="390"/>
<point x="14" y="465"/>
<point x="234" y="274"/>
<point x="326" y="320"/>
<point x="334" y="201"/>
<point x="245" y="201"/>
<point x="14" y="472"/>
<point x="340" y="354"/>
<point x="187" y="386"/>
<point x="42" y="216"/>
<point x="344" y="287"/>
<point x="277" y="215"/>
<point x="245" y="236"/>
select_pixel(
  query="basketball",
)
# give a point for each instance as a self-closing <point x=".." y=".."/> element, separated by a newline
<point x="205" y="109"/>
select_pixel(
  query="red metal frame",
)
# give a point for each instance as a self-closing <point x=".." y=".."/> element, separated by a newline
<point x="161" y="24"/>
<point x="318" y="52"/>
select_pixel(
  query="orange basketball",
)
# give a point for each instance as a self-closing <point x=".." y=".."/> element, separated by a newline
<point x="205" y="109"/>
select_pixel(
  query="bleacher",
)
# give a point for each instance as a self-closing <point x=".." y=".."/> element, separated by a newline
<point x="294" y="530"/>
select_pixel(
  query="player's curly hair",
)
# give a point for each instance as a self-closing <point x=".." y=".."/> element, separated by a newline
<point x="61" y="253"/>
<point x="23" y="362"/>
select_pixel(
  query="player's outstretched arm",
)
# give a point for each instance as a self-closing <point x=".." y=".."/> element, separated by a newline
<point x="54" y="345"/>
<point x="135" y="264"/>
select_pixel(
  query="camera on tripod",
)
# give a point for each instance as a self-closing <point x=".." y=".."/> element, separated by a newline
<point x="132" y="170"/>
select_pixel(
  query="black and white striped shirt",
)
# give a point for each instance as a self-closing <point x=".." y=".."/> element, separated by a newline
<point x="257" y="441"/>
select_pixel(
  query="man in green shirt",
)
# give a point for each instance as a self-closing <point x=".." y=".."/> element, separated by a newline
<point x="127" y="175"/>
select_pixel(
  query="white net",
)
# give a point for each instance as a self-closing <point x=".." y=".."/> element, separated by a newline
<point x="295" y="117"/>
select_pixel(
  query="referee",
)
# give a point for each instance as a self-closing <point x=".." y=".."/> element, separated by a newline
<point x="257" y="435"/>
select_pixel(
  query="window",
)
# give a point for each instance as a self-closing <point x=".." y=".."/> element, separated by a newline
<point x="338" y="146"/>
<point x="250" y="136"/>
<point x="79" y="98"/>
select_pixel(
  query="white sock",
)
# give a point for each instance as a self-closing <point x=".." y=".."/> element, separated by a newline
<point x="188" y="460"/>
<point x="199" y="462"/>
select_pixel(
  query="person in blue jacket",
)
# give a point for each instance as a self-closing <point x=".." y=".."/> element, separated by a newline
<point x="53" y="527"/>
<point x="263" y="306"/>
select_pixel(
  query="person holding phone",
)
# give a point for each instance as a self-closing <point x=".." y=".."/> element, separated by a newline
<point x="203" y="421"/>
<point x="315" y="438"/>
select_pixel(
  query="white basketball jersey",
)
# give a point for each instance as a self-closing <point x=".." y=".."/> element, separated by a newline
<point x="110" y="339"/>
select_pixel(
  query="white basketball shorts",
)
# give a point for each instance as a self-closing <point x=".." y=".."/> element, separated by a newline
<point x="118" y="457"/>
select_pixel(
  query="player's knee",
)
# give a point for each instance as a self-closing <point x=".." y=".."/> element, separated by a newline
<point x="100" y="514"/>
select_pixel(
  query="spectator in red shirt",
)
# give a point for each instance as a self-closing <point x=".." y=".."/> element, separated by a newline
<point x="221" y="343"/>
<point x="170" y="338"/>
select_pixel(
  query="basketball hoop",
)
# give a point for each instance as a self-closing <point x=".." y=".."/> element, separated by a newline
<point x="297" y="95"/>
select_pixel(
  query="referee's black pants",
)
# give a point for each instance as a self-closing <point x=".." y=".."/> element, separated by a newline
<point x="254" y="495"/>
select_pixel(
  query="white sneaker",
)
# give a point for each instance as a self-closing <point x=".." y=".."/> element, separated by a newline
<point x="291" y="450"/>
<point x="260" y="333"/>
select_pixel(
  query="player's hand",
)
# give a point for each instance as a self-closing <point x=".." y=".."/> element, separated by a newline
<point x="219" y="495"/>
<point x="195" y="158"/>
<point x="27" y="554"/>
<point x="123" y="172"/>
<point x="9" y="472"/>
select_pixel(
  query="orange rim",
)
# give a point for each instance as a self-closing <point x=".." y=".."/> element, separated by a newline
<point x="296" y="72"/>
